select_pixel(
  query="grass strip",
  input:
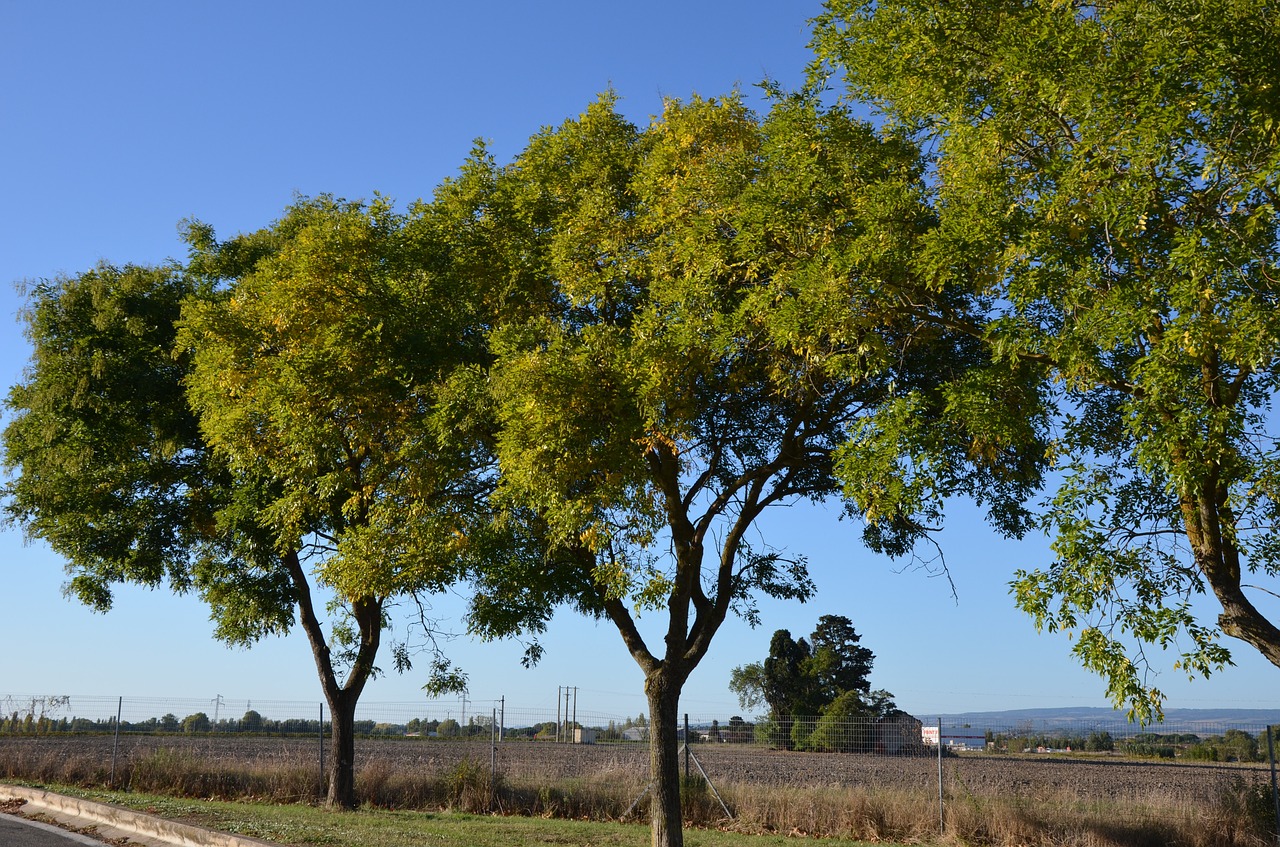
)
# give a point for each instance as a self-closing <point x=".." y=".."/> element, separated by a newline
<point x="301" y="826"/>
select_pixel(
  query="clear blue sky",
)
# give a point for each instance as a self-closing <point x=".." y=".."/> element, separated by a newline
<point x="119" y="120"/>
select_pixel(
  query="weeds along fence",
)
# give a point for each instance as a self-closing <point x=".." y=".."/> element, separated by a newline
<point x="903" y="778"/>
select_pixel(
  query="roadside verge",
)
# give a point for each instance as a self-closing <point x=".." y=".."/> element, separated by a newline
<point x="126" y="820"/>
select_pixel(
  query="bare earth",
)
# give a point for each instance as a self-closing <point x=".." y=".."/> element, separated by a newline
<point x="1081" y="775"/>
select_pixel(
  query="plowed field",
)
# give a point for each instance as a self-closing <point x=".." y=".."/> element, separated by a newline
<point x="1084" y="776"/>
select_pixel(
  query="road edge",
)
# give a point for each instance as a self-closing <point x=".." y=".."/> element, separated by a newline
<point x="139" y="823"/>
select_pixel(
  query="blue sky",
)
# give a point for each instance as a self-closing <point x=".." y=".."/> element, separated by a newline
<point x="118" y="121"/>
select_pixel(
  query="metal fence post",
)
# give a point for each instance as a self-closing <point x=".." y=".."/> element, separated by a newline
<point x="320" y="735"/>
<point x="686" y="746"/>
<point x="115" y="746"/>
<point x="1275" y="797"/>
<point x="942" y="820"/>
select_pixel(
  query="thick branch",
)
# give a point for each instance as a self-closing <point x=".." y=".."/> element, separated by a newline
<point x="617" y="612"/>
<point x="311" y="625"/>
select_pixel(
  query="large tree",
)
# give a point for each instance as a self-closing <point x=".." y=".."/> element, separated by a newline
<point x="801" y="679"/>
<point x="290" y="436"/>
<point x="318" y="364"/>
<point x="1106" y="174"/>
<point x="673" y="389"/>
<point x="786" y="685"/>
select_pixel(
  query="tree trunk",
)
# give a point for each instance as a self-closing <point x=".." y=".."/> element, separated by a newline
<point x="1210" y="527"/>
<point x="664" y="758"/>
<point x="342" y="699"/>
<point x="342" y="755"/>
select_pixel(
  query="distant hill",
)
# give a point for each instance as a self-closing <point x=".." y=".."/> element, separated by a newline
<point x="1175" y="720"/>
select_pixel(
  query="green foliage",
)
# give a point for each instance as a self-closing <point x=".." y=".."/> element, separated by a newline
<point x="105" y="458"/>
<point x="710" y="311"/>
<point x="251" y="722"/>
<point x="679" y="293"/>
<point x="847" y="725"/>
<point x="837" y="662"/>
<point x="284" y="408"/>
<point x="817" y="690"/>
<point x="318" y="364"/>
<point x="1103" y="179"/>
<point x="738" y="731"/>
<point x="788" y="685"/>
<point x="198" y="722"/>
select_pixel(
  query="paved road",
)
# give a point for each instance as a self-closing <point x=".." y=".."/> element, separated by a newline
<point x="19" y="832"/>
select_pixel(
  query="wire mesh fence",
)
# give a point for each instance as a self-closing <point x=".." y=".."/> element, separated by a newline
<point x="571" y="761"/>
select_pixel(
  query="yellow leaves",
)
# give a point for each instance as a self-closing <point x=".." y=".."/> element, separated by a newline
<point x="655" y="439"/>
<point x="593" y="538"/>
<point x="1189" y="344"/>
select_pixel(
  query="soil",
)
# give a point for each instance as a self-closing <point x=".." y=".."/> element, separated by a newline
<point x="1086" y="776"/>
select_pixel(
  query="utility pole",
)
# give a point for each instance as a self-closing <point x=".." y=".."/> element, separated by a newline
<point x="464" y="710"/>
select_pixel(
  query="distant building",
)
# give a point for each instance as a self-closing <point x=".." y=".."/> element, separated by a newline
<point x="954" y="738"/>
<point x="636" y="733"/>
<point x="899" y="734"/>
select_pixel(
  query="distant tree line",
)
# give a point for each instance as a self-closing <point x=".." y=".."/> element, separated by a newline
<point x="1096" y="741"/>
<point x="31" y="721"/>
<point x="1233" y="745"/>
<point x="16" y="723"/>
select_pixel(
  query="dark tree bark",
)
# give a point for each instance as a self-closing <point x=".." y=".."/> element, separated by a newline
<point x="341" y="697"/>
<point x="664" y="758"/>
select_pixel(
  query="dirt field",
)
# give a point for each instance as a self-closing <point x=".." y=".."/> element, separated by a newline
<point x="1083" y="776"/>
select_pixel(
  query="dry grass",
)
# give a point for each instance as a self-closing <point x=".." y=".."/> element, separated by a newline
<point x="605" y="787"/>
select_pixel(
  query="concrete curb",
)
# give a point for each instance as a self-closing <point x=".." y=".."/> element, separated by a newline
<point x="150" y="826"/>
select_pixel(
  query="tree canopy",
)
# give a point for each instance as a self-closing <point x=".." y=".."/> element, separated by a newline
<point x="723" y="311"/>
<point x="1105" y="176"/>
<point x="825" y="675"/>
<point x="264" y="421"/>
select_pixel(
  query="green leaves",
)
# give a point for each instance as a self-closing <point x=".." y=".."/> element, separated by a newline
<point x="801" y="679"/>
<point x="319" y="364"/>
<point x="718" y="299"/>
<point x="1105" y="179"/>
<point x="107" y="463"/>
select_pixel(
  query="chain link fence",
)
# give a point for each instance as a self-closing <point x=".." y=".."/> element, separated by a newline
<point x="847" y="773"/>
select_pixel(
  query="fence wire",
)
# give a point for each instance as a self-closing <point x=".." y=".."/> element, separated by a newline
<point x="1114" y="769"/>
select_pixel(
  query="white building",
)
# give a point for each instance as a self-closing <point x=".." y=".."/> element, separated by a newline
<point x="954" y="737"/>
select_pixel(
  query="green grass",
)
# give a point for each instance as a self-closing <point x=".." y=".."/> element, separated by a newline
<point x="297" y="825"/>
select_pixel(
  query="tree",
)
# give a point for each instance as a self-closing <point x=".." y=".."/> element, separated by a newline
<point x="837" y="662"/>
<point x="800" y="680"/>
<point x="1106" y="175"/>
<point x="670" y="392"/>
<point x="199" y="722"/>
<point x="251" y="722"/>
<point x="738" y="730"/>
<point x="849" y="722"/>
<point x="290" y="432"/>
<point x="318" y="365"/>
<point x="787" y="685"/>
